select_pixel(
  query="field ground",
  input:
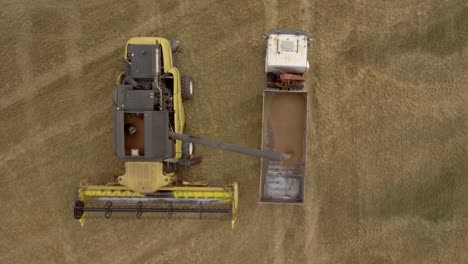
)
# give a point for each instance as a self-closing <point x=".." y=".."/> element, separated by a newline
<point x="387" y="152"/>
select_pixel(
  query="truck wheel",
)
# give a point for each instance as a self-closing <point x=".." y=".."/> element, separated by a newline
<point x="187" y="87"/>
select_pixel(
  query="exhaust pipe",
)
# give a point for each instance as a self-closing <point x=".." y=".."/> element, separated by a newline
<point x="157" y="73"/>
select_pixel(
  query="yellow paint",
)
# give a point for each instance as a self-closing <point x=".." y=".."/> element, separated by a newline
<point x="82" y="220"/>
<point x="235" y="202"/>
<point x="144" y="177"/>
<point x="227" y="192"/>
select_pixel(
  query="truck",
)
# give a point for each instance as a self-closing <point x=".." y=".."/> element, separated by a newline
<point x="284" y="117"/>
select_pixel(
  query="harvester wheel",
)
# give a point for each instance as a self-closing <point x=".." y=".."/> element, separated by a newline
<point x="187" y="149"/>
<point x="187" y="87"/>
<point x="78" y="210"/>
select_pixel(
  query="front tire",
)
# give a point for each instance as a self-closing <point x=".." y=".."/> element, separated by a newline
<point x="187" y="87"/>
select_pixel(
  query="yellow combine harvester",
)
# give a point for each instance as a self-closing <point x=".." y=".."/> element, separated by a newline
<point x="148" y="135"/>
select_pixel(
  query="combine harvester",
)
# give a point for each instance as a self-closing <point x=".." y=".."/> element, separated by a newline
<point x="284" y="128"/>
<point x="148" y="135"/>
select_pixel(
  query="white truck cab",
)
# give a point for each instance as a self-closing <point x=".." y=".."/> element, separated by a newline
<point x="287" y="51"/>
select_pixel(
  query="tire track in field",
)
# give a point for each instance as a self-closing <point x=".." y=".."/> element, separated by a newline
<point x="65" y="4"/>
<point x="311" y="210"/>
<point x="23" y="51"/>
<point x="93" y="55"/>
<point x="271" y="14"/>
<point x="73" y="35"/>
<point x="151" y="12"/>
<point x="184" y="8"/>
<point x="306" y="10"/>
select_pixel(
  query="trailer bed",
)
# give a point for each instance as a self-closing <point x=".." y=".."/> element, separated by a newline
<point x="284" y="130"/>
